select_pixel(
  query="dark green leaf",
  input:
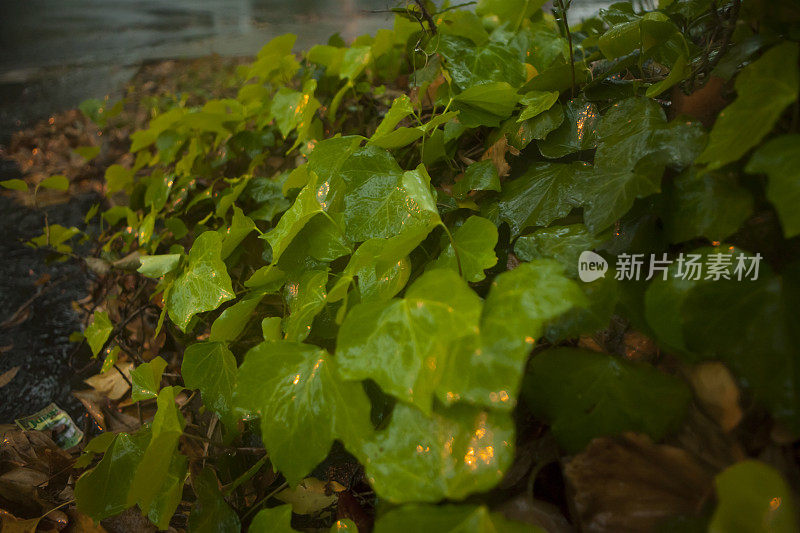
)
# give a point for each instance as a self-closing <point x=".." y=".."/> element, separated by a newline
<point x="764" y="89"/>
<point x="474" y="249"/>
<point x="449" y="519"/>
<point x="780" y="160"/>
<point x="211" y="368"/>
<point x="211" y="513"/>
<point x="585" y="394"/>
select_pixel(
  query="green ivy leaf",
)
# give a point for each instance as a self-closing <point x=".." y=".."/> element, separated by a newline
<point x="449" y="519"/>
<point x="303" y="404"/>
<point x="635" y="143"/>
<point x="146" y="379"/>
<point x="513" y="11"/>
<point x="211" y="368"/>
<point x="480" y="176"/>
<point x="451" y="454"/>
<point x="519" y="305"/>
<point x="171" y="492"/>
<point x="471" y="65"/>
<point x="562" y="243"/>
<point x="381" y="200"/>
<point x="153" y="472"/>
<point x="765" y="88"/>
<point x="474" y="245"/>
<point x="274" y="520"/>
<point x="156" y="266"/>
<point x="241" y="226"/>
<point x="103" y="491"/>
<point x="585" y="394"/>
<point x="578" y="131"/>
<point x="98" y="331"/>
<point x="204" y="284"/>
<point x="780" y="160"/>
<point x="14" y="185"/>
<point x="232" y="321"/>
<point x="707" y="204"/>
<point x="118" y="178"/>
<point x="487" y="104"/>
<point x="305" y="297"/>
<point x="544" y="193"/>
<point x="536" y="103"/>
<point x="211" y="513"/>
<point x="753" y="497"/>
<point x="57" y="182"/>
<point x="311" y="201"/>
<point x="403" y="344"/>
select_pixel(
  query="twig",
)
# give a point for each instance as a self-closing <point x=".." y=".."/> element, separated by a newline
<point x="563" y="12"/>
<point x="265" y="498"/>
<point x="427" y="16"/>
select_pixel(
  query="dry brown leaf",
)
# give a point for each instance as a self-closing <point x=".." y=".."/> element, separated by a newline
<point x="537" y="513"/>
<point x="311" y="496"/>
<point x="631" y="484"/>
<point x="497" y="153"/>
<point x="11" y="524"/>
<point x="6" y="377"/>
<point x="111" y="383"/>
<point x="639" y="347"/>
<point x="80" y="523"/>
<point x="717" y="392"/>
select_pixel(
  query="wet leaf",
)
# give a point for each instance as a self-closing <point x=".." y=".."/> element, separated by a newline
<point x="204" y="284"/>
<point x="156" y="266"/>
<point x="306" y="297"/>
<point x="211" y="368"/>
<point x="577" y="132"/>
<point x="403" y="344"/>
<point x="488" y="370"/>
<point x="303" y="404"/>
<point x="211" y="513"/>
<point x="480" y="176"/>
<point x="764" y="89"/>
<point x="452" y="453"/>
<point x="562" y="243"/>
<point x="98" y="331"/>
<point x="474" y="249"/>
<point x="232" y="321"/>
<point x="544" y="193"/>
<point x="146" y="379"/>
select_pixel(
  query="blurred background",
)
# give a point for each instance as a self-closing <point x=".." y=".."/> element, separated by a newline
<point x="56" y="53"/>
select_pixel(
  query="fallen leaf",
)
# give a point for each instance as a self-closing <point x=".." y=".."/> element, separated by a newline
<point x="536" y="513"/>
<point x="111" y="383"/>
<point x="497" y="153"/>
<point x="6" y="377"/>
<point x="311" y="496"/>
<point x="631" y="484"/>
<point x="80" y="523"/>
<point x="717" y="392"/>
<point x="12" y="524"/>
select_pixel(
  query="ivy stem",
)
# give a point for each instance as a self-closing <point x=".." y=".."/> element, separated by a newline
<point x="455" y="250"/>
<point x="252" y="471"/>
<point x="563" y="16"/>
<point x="264" y="499"/>
<point x="427" y="16"/>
